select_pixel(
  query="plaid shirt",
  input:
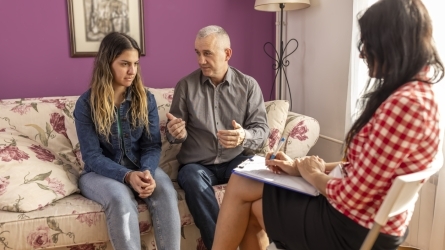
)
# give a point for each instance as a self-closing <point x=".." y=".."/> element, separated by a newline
<point x="402" y="137"/>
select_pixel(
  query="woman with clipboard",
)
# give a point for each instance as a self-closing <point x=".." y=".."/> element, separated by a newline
<point x="396" y="133"/>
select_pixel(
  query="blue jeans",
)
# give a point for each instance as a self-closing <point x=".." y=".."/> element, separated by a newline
<point x="197" y="181"/>
<point x="120" y="205"/>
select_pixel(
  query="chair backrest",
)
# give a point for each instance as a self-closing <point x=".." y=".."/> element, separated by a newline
<point x="402" y="195"/>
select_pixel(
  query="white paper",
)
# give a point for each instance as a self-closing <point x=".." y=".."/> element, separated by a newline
<point x="255" y="168"/>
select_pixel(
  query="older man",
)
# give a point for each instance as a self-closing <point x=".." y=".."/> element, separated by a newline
<point x="216" y="113"/>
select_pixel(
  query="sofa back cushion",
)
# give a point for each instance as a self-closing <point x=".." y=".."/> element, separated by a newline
<point x="168" y="161"/>
<point x="48" y="121"/>
<point x="38" y="164"/>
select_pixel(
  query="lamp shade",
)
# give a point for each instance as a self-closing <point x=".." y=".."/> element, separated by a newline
<point x="274" y="5"/>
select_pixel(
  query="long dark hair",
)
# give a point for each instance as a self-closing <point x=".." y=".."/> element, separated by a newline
<point x="396" y="42"/>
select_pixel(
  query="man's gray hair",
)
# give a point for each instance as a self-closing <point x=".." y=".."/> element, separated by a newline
<point x="218" y="31"/>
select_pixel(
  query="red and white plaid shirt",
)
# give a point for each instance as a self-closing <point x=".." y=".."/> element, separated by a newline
<point x="402" y="137"/>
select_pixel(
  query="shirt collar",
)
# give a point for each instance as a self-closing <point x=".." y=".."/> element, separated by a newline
<point x="128" y="94"/>
<point x="229" y="75"/>
<point x="227" y="78"/>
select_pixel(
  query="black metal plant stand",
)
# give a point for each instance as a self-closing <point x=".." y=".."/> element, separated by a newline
<point x="281" y="62"/>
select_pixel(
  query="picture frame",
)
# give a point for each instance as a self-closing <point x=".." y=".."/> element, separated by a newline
<point x="91" y="20"/>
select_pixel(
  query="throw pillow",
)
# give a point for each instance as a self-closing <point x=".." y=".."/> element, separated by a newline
<point x="36" y="152"/>
<point x="276" y="119"/>
<point x="31" y="175"/>
<point x="301" y="133"/>
<point x="48" y="121"/>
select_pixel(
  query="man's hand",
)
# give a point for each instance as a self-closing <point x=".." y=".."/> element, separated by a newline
<point x="231" y="138"/>
<point x="142" y="182"/>
<point x="176" y="127"/>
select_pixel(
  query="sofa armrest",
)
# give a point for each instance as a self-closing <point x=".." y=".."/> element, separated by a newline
<point x="301" y="133"/>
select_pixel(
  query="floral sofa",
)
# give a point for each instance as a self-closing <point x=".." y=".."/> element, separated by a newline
<point x="40" y="162"/>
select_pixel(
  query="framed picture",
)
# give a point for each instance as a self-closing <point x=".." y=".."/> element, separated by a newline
<point x="91" y="20"/>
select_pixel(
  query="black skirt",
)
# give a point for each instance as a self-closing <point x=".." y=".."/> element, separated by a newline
<point x="298" y="221"/>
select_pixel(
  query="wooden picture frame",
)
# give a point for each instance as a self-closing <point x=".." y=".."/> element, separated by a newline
<point x="91" y="20"/>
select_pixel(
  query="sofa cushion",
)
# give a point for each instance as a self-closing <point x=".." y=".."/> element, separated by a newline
<point x="76" y="220"/>
<point x="301" y="133"/>
<point x="168" y="161"/>
<point x="32" y="176"/>
<point x="37" y="162"/>
<point x="276" y="119"/>
<point x="45" y="120"/>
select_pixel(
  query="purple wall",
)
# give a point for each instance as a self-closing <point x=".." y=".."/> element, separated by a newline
<point x="35" y="50"/>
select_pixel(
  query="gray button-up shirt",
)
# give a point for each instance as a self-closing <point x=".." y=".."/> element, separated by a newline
<point x="207" y="108"/>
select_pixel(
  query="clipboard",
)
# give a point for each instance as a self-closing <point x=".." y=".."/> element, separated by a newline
<point x="255" y="168"/>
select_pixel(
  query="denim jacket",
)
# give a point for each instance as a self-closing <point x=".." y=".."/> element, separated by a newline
<point x="103" y="157"/>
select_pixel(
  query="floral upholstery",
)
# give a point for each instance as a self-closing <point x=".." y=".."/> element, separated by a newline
<point x="40" y="162"/>
<point x="35" y="153"/>
<point x="168" y="160"/>
<point x="276" y="112"/>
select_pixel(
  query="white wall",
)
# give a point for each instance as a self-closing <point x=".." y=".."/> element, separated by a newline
<point x="318" y="70"/>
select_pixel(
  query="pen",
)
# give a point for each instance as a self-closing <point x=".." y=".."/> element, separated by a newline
<point x="280" y="144"/>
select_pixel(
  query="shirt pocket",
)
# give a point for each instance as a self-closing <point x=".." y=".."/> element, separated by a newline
<point x="136" y="133"/>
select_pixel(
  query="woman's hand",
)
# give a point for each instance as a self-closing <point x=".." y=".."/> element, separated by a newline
<point x="311" y="165"/>
<point x="312" y="169"/>
<point x="142" y="182"/>
<point x="282" y="163"/>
